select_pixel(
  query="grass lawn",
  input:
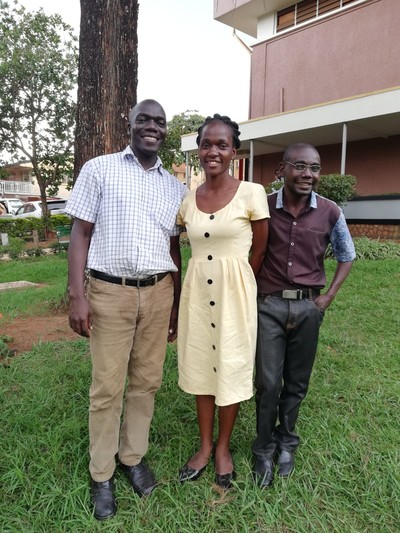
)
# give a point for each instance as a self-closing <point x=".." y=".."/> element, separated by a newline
<point x="347" y="469"/>
<point x="49" y="271"/>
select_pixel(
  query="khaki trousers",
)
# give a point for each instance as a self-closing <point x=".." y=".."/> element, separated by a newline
<point x="127" y="343"/>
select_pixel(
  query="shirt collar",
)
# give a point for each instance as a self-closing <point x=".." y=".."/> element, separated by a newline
<point x="128" y="154"/>
<point x="279" y="199"/>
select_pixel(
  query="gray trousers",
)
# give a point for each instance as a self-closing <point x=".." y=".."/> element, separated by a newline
<point x="286" y="347"/>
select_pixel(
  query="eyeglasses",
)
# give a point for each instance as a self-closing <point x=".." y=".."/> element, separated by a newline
<point x="301" y="167"/>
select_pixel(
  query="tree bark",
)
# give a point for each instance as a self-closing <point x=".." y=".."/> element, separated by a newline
<point x="107" y="79"/>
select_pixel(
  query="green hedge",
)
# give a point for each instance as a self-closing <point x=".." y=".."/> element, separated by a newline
<point x="21" y="227"/>
<point x="372" y="249"/>
<point x="337" y="187"/>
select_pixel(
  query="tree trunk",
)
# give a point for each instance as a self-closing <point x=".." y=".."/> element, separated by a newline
<point x="107" y="79"/>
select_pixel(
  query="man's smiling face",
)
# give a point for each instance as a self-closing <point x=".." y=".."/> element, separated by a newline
<point x="148" y="127"/>
<point x="300" y="182"/>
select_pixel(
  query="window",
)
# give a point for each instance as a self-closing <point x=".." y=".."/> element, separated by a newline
<point x="327" y="5"/>
<point x="286" y="18"/>
<point x="306" y="10"/>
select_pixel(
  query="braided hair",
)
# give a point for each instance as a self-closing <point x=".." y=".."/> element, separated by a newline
<point x="226" y="120"/>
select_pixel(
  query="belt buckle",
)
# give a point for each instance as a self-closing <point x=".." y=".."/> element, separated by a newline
<point x="289" y="294"/>
<point x="146" y="282"/>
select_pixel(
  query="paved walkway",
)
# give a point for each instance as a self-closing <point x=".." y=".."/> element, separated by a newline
<point x="16" y="285"/>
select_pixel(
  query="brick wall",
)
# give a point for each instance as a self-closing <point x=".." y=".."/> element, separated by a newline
<point x="376" y="231"/>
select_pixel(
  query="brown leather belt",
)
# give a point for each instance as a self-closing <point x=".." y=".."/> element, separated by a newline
<point x="144" y="282"/>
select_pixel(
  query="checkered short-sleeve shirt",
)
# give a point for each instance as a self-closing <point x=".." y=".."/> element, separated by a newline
<point x="133" y="211"/>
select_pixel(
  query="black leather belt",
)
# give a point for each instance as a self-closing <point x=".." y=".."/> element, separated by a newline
<point x="296" y="294"/>
<point x="144" y="282"/>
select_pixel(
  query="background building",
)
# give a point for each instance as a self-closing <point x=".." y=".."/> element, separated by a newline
<point x="21" y="183"/>
<point x="325" y="72"/>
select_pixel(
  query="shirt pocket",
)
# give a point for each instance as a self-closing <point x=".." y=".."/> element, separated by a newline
<point x="164" y="212"/>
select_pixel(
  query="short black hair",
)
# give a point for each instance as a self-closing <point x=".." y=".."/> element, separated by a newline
<point x="296" y="146"/>
<point x="226" y="120"/>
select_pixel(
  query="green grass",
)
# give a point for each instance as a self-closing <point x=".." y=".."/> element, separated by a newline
<point x="50" y="272"/>
<point x="347" y="467"/>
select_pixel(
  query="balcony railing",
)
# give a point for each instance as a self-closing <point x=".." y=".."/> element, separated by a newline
<point x="15" y="187"/>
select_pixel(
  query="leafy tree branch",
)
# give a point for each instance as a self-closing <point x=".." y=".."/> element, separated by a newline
<point x="38" y="72"/>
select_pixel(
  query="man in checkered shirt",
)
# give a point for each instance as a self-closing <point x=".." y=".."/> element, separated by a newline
<point x="124" y="207"/>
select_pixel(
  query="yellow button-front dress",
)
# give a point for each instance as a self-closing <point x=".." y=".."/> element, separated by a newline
<point x="217" y="325"/>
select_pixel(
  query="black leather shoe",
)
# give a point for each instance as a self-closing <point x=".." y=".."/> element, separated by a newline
<point x="285" y="463"/>
<point x="141" y="478"/>
<point x="187" y="473"/>
<point x="103" y="499"/>
<point x="225" y="480"/>
<point x="263" y="472"/>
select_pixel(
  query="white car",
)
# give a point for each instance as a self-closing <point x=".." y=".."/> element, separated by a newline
<point x="11" y="205"/>
<point x="34" y="209"/>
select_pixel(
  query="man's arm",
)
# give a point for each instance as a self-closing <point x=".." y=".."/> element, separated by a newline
<point x="259" y="244"/>
<point x="344" y="252"/>
<point x="342" y="271"/>
<point x="175" y="251"/>
<point x="79" y="310"/>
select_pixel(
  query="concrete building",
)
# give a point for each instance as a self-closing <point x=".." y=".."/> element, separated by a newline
<point x="21" y="183"/>
<point x="325" y="72"/>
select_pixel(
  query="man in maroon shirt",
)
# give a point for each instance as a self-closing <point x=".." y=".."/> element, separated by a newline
<point x="291" y="306"/>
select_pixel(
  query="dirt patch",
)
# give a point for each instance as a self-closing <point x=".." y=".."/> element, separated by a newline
<point x="28" y="331"/>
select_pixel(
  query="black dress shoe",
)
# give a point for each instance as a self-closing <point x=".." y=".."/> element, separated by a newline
<point x="141" y="478"/>
<point x="103" y="499"/>
<point x="187" y="473"/>
<point x="285" y="463"/>
<point x="263" y="472"/>
<point x="225" y="480"/>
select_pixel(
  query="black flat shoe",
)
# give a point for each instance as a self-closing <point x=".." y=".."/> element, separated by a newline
<point x="187" y="473"/>
<point x="225" y="480"/>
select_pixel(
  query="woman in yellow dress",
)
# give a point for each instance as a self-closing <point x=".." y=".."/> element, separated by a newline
<point x="227" y="224"/>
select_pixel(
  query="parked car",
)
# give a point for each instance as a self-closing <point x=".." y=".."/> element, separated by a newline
<point x="11" y="205"/>
<point x="34" y="209"/>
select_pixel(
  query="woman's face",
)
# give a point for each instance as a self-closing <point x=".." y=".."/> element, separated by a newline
<point x="216" y="148"/>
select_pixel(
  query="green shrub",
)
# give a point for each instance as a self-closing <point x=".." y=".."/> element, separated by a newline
<point x="21" y="227"/>
<point x="274" y="186"/>
<point x="336" y="187"/>
<point x="34" y="252"/>
<point x="4" y="349"/>
<point x="58" y="248"/>
<point x="184" y="240"/>
<point x="60" y="220"/>
<point x="14" y="248"/>
<point x="374" y="249"/>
